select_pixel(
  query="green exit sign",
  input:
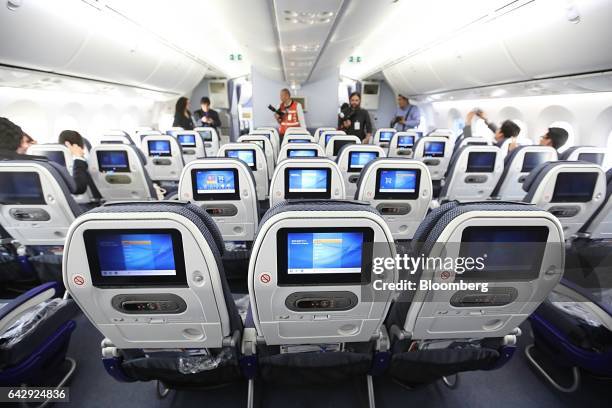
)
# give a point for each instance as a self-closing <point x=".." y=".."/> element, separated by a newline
<point x="235" y="57"/>
<point x="353" y="59"/>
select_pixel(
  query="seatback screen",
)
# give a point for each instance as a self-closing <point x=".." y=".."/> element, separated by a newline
<point x="246" y="155"/>
<point x="405" y="141"/>
<point x="206" y="135"/>
<point x="338" y="144"/>
<point x="434" y="149"/>
<point x="21" y="188"/>
<point x="397" y="183"/>
<point x="328" y="136"/>
<point x="307" y="183"/>
<point x="481" y="162"/>
<point x="574" y="187"/>
<point x="533" y="160"/>
<point x="595" y="158"/>
<point x="385" y="136"/>
<point x="159" y="148"/>
<point x="113" y="160"/>
<point x="358" y="160"/>
<point x="511" y="253"/>
<point x="298" y="141"/>
<point x="135" y="257"/>
<point x="215" y="184"/>
<point x="55" y="156"/>
<point x="301" y="153"/>
<point x="187" y="140"/>
<point x="324" y="255"/>
<point x="259" y="143"/>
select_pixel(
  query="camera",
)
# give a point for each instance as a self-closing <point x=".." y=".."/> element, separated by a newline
<point x="277" y="111"/>
<point x="346" y="112"/>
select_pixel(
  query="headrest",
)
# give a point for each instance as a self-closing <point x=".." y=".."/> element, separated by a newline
<point x="316" y="205"/>
<point x="190" y="211"/>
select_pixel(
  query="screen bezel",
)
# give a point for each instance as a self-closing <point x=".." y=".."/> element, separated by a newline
<point x="39" y="200"/>
<point x="532" y="153"/>
<point x="352" y="169"/>
<point x="572" y="199"/>
<point x="401" y="146"/>
<point x="254" y="166"/>
<point x="215" y="196"/>
<point x="599" y="155"/>
<point x="425" y="154"/>
<point x="206" y="139"/>
<point x="178" y="139"/>
<point x="125" y="156"/>
<point x="490" y="169"/>
<point x="307" y="150"/>
<point x="302" y="195"/>
<point x="339" y="144"/>
<point x="169" y="154"/>
<point x="99" y="281"/>
<point x="513" y="275"/>
<point x="324" y="279"/>
<point x="397" y="196"/>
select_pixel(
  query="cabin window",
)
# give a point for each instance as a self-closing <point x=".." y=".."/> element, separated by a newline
<point x="608" y="163"/>
<point x="570" y="131"/>
<point x="524" y="134"/>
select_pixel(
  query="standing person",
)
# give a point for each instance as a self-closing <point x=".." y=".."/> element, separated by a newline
<point x="407" y="116"/>
<point x="507" y="130"/>
<point x="207" y="116"/>
<point x="292" y="113"/>
<point x="555" y="137"/>
<point x="182" y="116"/>
<point x="80" y="173"/>
<point x="357" y="120"/>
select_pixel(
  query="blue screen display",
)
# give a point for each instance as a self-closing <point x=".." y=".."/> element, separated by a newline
<point x="113" y="160"/>
<point x="55" y="156"/>
<point x="531" y="160"/>
<point x="397" y="181"/>
<point x="307" y="180"/>
<point x="187" y="140"/>
<point x="386" y="136"/>
<point x="298" y="141"/>
<point x="434" y="149"/>
<point x="324" y="252"/>
<point x="301" y="153"/>
<point x="405" y="141"/>
<point x="329" y="136"/>
<point x="481" y="162"/>
<point x="206" y="135"/>
<point x="20" y="188"/>
<point x="215" y="181"/>
<point x="159" y="148"/>
<point x="247" y="156"/>
<point x="358" y="160"/>
<point x="135" y="255"/>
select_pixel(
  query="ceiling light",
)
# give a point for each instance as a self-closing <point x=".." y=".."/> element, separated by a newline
<point x="498" y="92"/>
<point x="324" y="20"/>
<point x="292" y="20"/>
<point x="291" y="13"/>
<point x="326" y="14"/>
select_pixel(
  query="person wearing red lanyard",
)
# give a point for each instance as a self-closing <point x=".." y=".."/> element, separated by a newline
<point x="293" y="115"/>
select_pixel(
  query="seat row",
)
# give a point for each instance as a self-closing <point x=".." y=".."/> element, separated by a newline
<point x="325" y="304"/>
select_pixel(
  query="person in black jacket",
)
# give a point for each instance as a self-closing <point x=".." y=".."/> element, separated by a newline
<point x="206" y="116"/>
<point x="357" y="120"/>
<point x="182" y="116"/>
<point x="74" y="141"/>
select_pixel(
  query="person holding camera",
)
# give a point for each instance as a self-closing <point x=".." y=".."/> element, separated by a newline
<point x="507" y="130"/>
<point x="406" y="116"/>
<point x="289" y="114"/>
<point x="354" y="120"/>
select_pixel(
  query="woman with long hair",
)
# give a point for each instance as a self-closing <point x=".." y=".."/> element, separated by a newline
<point x="182" y="116"/>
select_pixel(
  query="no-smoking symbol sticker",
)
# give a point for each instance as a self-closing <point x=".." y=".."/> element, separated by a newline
<point x="78" y="280"/>
<point x="265" y="278"/>
<point x="445" y="275"/>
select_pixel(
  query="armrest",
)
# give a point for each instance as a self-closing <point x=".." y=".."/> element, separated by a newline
<point x="12" y="310"/>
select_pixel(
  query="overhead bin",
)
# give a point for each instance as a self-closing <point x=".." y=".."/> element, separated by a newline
<point x="540" y="39"/>
<point x="75" y="38"/>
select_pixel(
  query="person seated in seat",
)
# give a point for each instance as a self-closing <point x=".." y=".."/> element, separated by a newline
<point x="555" y="137"/>
<point x="14" y="143"/>
<point x="74" y="142"/>
<point x="508" y="129"/>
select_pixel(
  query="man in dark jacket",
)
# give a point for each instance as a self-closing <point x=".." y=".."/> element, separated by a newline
<point x="74" y="141"/>
<point x="206" y="116"/>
